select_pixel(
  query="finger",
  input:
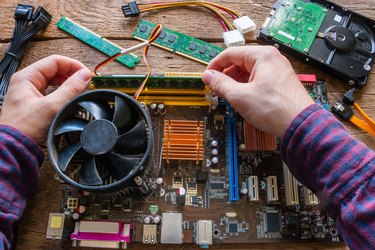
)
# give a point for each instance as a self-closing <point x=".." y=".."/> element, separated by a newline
<point x="237" y="73"/>
<point x="242" y="57"/>
<point x="73" y="86"/>
<point x="52" y="67"/>
<point x="221" y="84"/>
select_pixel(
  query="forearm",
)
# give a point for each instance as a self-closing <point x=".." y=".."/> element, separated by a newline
<point x="20" y="159"/>
<point x="323" y="156"/>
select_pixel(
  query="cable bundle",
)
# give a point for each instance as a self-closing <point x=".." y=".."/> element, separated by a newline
<point x="27" y="24"/>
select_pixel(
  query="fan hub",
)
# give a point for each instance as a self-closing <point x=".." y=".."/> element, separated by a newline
<point x="99" y="137"/>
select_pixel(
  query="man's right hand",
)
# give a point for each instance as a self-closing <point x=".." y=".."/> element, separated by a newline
<point x="260" y="84"/>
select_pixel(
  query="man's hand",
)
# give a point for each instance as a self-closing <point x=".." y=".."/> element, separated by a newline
<point x="260" y="84"/>
<point x="27" y="108"/>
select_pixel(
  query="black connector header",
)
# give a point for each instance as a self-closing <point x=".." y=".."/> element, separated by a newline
<point x="23" y="12"/>
<point x="131" y="9"/>
<point x="349" y="97"/>
<point x="343" y="110"/>
<point x="41" y="17"/>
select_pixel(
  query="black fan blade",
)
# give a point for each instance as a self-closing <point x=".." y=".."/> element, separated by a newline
<point x="71" y="125"/>
<point x="134" y="141"/>
<point x="120" y="166"/>
<point x="99" y="109"/>
<point x="89" y="174"/>
<point x="124" y="117"/>
<point x="66" y="155"/>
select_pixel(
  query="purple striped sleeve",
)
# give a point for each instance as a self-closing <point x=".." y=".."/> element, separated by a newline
<point x="324" y="157"/>
<point x="20" y="158"/>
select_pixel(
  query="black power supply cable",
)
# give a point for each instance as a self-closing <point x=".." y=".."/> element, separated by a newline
<point x="27" y="24"/>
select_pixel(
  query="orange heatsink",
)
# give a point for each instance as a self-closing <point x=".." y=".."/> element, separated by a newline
<point x="183" y="140"/>
<point x="256" y="140"/>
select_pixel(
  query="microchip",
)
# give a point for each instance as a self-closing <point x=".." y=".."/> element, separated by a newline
<point x="217" y="185"/>
<point x="193" y="199"/>
<point x="192" y="185"/>
<point x="143" y="28"/>
<point x="272" y="222"/>
<point x="192" y="45"/>
<point x="213" y="53"/>
<point x="201" y="176"/>
<point x="177" y="179"/>
<point x="233" y="228"/>
<point x="162" y="35"/>
<point x="203" y="49"/>
<point x="171" y="38"/>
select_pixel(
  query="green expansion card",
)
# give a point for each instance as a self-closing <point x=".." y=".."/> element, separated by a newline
<point x="296" y="24"/>
<point x="96" y="41"/>
<point x="179" y="43"/>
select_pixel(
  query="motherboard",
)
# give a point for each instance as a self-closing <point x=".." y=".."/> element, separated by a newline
<point x="212" y="178"/>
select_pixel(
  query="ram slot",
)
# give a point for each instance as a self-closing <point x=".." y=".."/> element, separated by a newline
<point x="310" y="198"/>
<point x="253" y="187"/>
<point x="272" y="190"/>
<point x="291" y="187"/>
<point x="232" y="153"/>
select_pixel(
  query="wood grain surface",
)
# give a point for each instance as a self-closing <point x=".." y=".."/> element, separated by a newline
<point x="106" y="18"/>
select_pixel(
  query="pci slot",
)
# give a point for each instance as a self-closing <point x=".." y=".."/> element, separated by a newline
<point x="232" y="152"/>
<point x="310" y="198"/>
<point x="291" y="187"/>
<point x="253" y="187"/>
<point x="272" y="190"/>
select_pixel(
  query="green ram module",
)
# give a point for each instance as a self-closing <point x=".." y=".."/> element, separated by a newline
<point x="96" y="41"/>
<point x="154" y="82"/>
<point x="178" y="43"/>
<point x="296" y="24"/>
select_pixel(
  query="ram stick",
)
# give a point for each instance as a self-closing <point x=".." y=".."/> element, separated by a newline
<point x="98" y="42"/>
<point x="178" y="43"/>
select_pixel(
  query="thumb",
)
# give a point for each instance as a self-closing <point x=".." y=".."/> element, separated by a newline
<point x="220" y="83"/>
<point x="73" y="86"/>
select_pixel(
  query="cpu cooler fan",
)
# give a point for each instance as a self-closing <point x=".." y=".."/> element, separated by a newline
<point x="110" y="148"/>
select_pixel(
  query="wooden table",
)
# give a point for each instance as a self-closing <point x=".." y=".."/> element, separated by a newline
<point x="106" y="18"/>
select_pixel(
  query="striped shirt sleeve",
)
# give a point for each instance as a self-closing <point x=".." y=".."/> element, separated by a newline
<point x="20" y="158"/>
<point x="324" y="157"/>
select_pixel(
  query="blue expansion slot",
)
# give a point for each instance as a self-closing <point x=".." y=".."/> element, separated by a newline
<point x="232" y="150"/>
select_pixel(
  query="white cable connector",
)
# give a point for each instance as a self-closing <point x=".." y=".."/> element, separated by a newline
<point x="233" y="38"/>
<point x="244" y="24"/>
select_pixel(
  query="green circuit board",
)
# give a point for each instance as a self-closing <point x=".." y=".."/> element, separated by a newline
<point x="100" y="43"/>
<point x="179" y="43"/>
<point x="295" y="23"/>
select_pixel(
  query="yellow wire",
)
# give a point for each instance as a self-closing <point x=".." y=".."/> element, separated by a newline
<point x="363" y="125"/>
<point x="197" y="3"/>
<point x="364" y="116"/>
<point x="171" y="5"/>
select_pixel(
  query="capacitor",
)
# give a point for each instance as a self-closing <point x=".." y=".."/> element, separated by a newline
<point x="244" y="190"/>
<point x="154" y="107"/>
<point x="242" y="147"/>
<point x="75" y="216"/>
<point x="142" y="187"/>
<point x="157" y="219"/>
<point x="208" y="163"/>
<point x="214" y="152"/>
<point x="181" y="196"/>
<point x="160" y="181"/>
<point x="214" y="102"/>
<point x="81" y="209"/>
<point x="181" y="191"/>
<point x="147" y="220"/>
<point x="214" y="160"/>
<point x="214" y="143"/>
<point x="161" y="108"/>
